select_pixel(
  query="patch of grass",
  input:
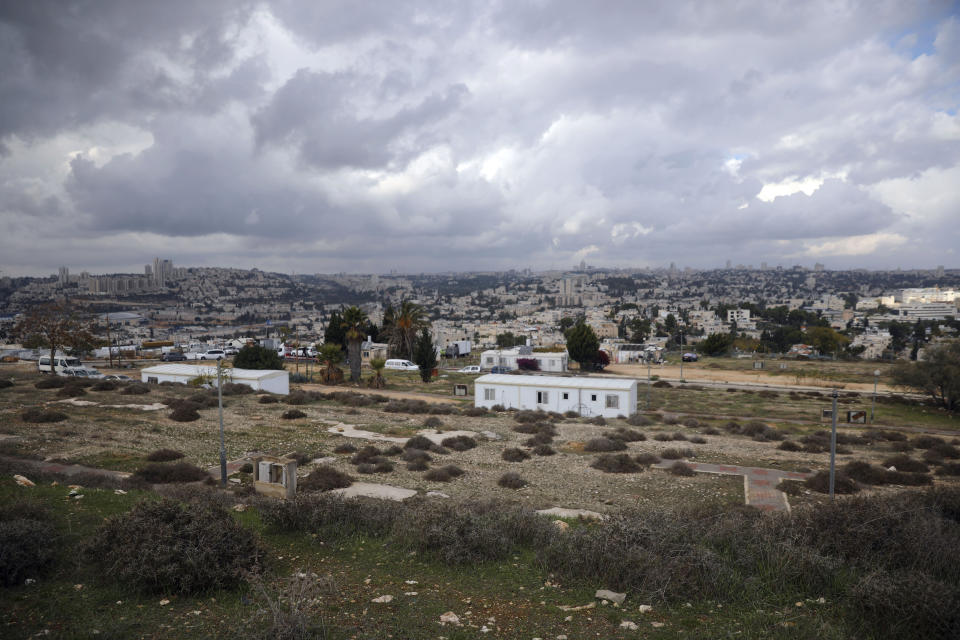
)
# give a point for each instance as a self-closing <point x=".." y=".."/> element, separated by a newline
<point x="162" y="473"/>
<point x="28" y="541"/>
<point x="164" y="455"/>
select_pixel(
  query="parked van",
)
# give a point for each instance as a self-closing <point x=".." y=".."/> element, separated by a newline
<point x="402" y="365"/>
<point x="60" y="364"/>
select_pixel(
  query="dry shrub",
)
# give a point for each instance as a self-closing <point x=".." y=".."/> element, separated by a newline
<point x="301" y="457"/>
<point x="135" y="389"/>
<point x="268" y="399"/>
<point x="662" y="437"/>
<point x="600" y="421"/>
<point x="459" y="443"/>
<point x="433" y="422"/>
<point x="538" y="439"/>
<point x="676" y="454"/>
<point x="293" y="414"/>
<point x="681" y="469"/>
<point x="909" y="604"/>
<point x="604" y="444"/>
<point x="439" y="450"/>
<point x="418" y="442"/>
<point x="662" y="384"/>
<point x="616" y="463"/>
<point x="369" y="453"/>
<point x="866" y="473"/>
<point x="163" y="473"/>
<point x="165" y="455"/>
<point x="71" y="390"/>
<point x="475" y="412"/>
<point x="927" y="442"/>
<point x="639" y="420"/>
<point x="646" y="459"/>
<point x="185" y="412"/>
<point x="671" y="420"/>
<point x="50" y="382"/>
<point x="511" y="480"/>
<point x="411" y="455"/>
<point x="346" y="447"/>
<point x="693" y="423"/>
<point x="627" y="435"/>
<point x="443" y="474"/>
<point x="499" y="408"/>
<point x="543" y="450"/>
<point x="530" y="416"/>
<point x="906" y="463"/>
<point x="698" y="440"/>
<point x="949" y="469"/>
<point x="789" y="445"/>
<point x="295" y="398"/>
<point x="946" y="451"/>
<point x="711" y="431"/>
<point x="760" y="431"/>
<point x="732" y="427"/>
<point x="679" y="437"/>
<point x="571" y="414"/>
<point x="820" y="482"/>
<point x="393" y="450"/>
<point x="38" y="415"/>
<point x="417" y="465"/>
<point x="324" y="478"/>
<point x="515" y="455"/>
<point x="167" y="546"/>
<point x="28" y="541"/>
<point x="105" y="385"/>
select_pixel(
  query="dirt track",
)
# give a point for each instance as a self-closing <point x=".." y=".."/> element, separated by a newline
<point x="692" y="374"/>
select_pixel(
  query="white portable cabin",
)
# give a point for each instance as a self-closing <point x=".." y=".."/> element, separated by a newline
<point x="588" y="396"/>
<point x="549" y="361"/>
<point x="272" y="380"/>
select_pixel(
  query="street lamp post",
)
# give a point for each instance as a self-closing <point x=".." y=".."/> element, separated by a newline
<point x="648" y="382"/>
<point x="873" y="403"/>
<point x="833" y="443"/>
<point x="223" y="450"/>
<point x="681" y="356"/>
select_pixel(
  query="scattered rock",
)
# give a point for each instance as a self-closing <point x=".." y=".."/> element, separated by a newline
<point x="561" y="525"/>
<point x="490" y="435"/>
<point x="409" y="593"/>
<point x="627" y="624"/>
<point x="564" y="607"/>
<point x="656" y="625"/>
<point x="449" y="618"/>
<point x="436" y="494"/>
<point x="164" y="602"/>
<point x="383" y="599"/>
<point x="612" y="596"/>
<point x="240" y="508"/>
<point x="120" y="492"/>
<point x="23" y="481"/>
<point x="644" y="608"/>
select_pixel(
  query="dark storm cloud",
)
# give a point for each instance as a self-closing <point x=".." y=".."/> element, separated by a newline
<point x="477" y="134"/>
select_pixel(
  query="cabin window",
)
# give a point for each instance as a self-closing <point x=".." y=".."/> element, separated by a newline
<point x="152" y="379"/>
<point x="566" y="396"/>
<point x="543" y="397"/>
<point x="593" y="397"/>
<point x="613" y="401"/>
<point x="489" y="394"/>
<point x="489" y="359"/>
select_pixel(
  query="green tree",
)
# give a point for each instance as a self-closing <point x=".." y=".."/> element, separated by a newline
<point x="582" y="344"/>
<point x="825" y="339"/>
<point x="716" y="344"/>
<point x="425" y="355"/>
<point x="937" y="375"/>
<point x="55" y="326"/>
<point x="565" y="323"/>
<point x="639" y="330"/>
<point x="507" y="339"/>
<point x="407" y="321"/>
<point x="354" y="322"/>
<point x="256" y="357"/>
<point x="335" y="332"/>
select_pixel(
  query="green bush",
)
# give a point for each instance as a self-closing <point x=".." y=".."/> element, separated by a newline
<point x="256" y="357"/>
<point x="167" y="547"/>
<point x="165" y="455"/>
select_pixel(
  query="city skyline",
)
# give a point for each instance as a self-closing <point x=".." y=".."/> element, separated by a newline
<point x="365" y="138"/>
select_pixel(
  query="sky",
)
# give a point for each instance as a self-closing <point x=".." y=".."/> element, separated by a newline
<point x="328" y="136"/>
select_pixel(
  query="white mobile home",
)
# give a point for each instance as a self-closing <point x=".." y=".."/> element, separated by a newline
<point x="272" y="380"/>
<point x="588" y="396"/>
<point x="550" y="361"/>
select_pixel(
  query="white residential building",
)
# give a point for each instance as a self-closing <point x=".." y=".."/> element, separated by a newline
<point x="550" y="361"/>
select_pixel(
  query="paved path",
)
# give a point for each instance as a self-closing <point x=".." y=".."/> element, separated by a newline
<point x="759" y="484"/>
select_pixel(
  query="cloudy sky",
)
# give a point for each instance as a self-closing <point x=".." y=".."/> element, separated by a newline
<point x="317" y="136"/>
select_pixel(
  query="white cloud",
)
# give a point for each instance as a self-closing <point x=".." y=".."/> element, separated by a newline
<point x="853" y="245"/>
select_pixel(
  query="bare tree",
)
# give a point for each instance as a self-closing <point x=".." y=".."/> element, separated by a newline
<point x="55" y="326"/>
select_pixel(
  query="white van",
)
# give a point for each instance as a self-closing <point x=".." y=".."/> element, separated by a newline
<point x="402" y="365"/>
<point x="60" y="364"/>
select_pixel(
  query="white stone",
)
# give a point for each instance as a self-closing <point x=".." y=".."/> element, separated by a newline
<point x="627" y="624"/>
<point x="449" y="618"/>
<point x="656" y="625"/>
<point x="370" y="490"/>
<point x="437" y="494"/>
<point x="23" y="481"/>
<point x="560" y="512"/>
<point x="383" y="599"/>
<point x="612" y="596"/>
<point x="644" y="608"/>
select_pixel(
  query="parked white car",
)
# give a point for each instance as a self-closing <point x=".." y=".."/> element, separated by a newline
<point x="473" y="368"/>
<point x="402" y="365"/>
<point x="213" y="354"/>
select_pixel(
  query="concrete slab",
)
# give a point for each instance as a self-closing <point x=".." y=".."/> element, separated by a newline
<point x="381" y="491"/>
<point x="560" y="512"/>
<point x="350" y="431"/>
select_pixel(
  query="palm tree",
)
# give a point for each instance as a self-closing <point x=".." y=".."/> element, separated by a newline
<point x="354" y="321"/>
<point x="407" y="322"/>
<point x="331" y="354"/>
<point x="377" y="381"/>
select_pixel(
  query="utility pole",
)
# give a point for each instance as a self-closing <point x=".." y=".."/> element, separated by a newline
<point x="648" y="382"/>
<point x="223" y="450"/>
<point x="873" y="403"/>
<point x="833" y="443"/>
